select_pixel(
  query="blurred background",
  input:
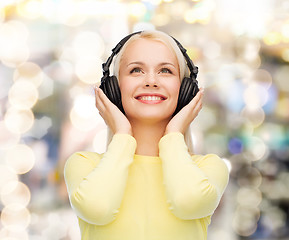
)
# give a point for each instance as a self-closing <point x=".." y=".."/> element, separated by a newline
<point x="51" y="53"/>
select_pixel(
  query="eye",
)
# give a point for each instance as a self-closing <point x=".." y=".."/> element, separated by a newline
<point x="165" y="70"/>
<point x="135" y="70"/>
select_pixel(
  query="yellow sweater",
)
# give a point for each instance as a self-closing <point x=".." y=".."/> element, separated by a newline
<point x="122" y="196"/>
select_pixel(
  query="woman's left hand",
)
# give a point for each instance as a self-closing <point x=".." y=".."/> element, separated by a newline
<point x="181" y="121"/>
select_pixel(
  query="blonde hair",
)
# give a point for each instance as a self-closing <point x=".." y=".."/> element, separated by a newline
<point x="183" y="68"/>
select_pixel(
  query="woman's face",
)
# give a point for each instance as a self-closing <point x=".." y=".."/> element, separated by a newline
<point x="149" y="81"/>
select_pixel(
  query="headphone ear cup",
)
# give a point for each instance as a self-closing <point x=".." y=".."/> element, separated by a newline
<point x="111" y="89"/>
<point x="188" y="90"/>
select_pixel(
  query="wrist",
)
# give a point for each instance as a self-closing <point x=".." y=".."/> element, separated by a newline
<point x="123" y="131"/>
<point x="173" y="131"/>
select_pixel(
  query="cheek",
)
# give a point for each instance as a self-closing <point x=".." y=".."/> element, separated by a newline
<point x="126" y="89"/>
<point x="174" y="89"/>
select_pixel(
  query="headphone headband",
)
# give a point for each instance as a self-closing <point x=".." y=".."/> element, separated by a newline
<point x="105" y="66"/>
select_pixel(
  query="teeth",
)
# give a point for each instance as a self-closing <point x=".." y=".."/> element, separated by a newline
<point x="150" y="98"/>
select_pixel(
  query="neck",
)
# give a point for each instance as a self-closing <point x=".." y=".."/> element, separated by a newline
<point x="147" y="137"/>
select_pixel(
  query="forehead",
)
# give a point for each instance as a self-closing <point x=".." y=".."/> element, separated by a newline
<point x="152" y="50"/>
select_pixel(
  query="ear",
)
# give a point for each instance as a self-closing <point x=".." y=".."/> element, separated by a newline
<point x="188" y="90"/>
<point x="111" y="89"/>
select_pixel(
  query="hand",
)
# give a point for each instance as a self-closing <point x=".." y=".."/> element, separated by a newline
<point x="181" y="121"/>
<point x="113" y="117"/>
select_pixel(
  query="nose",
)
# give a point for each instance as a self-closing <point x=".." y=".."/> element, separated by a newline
<point x="151" y="81"/>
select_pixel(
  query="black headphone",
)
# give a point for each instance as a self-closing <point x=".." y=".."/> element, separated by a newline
<point x="110" y="87"/>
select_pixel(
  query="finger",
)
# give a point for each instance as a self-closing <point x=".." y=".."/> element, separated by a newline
<point x="98" y="102"/>
<point x="195" y="100"/>
<point x="104" y="99"/>
<point x="198" y="106"/>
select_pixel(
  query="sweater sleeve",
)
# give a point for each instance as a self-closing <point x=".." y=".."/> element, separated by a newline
<point x="96" y="184"/>
<point x="194" y="184"/>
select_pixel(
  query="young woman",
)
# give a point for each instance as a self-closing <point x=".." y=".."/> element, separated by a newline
<point x="147" y="185"/>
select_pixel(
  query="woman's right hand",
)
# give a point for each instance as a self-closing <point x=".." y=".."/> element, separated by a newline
<point x="113" y="117"/>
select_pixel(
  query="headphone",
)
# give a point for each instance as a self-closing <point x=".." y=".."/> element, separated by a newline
<point x="110" y="87"/>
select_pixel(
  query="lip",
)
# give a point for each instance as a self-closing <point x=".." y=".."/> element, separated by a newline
<point x="151" y="95"/>
<point x="163" y="98"/>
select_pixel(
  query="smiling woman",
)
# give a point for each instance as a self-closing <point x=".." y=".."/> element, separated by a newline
<point x="147" y="185"/>
<point x="150" y="85"/>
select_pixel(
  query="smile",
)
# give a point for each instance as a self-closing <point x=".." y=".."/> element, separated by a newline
<point x="151" y="99"/>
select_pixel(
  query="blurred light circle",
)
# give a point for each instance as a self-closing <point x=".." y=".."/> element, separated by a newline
<point x="2" y="14"/>
<point x="251" y="51"/>
<point x="177" y="9"/>
<point x="200" y="15"/>
<point x="212" y="50"/>
<point x="221" y="234"/>
<point x="285" y="54"/>
<point x="11" y="33"/>
<point x="245" y="220"/>
<point x="70" y="15"/>
<point x="249" y="197"/>
<point x="83" y="115"/>
<point x="18" y="121"/>
<point x="20" y="30"/>
<point x="263" y="77"/>
<point x="23" y="95"/>
<point x="84" y="105"/>
<point x="249" y="177"/>
<point x="160" y="19"/>
<point x="30" y="72"/>
<point x="216" y="143"/>
<point x="273" y="134"/>
<point x="15" y="192"/>
<point x="190" y="15"/>
<point x="155" y="2"/>
<point x="285" y="29"/>
<point x="232" y="90"/>
<point x="235" y="145"/>
<point x="274" y="218"/>
<point x="15" y="217"/>
<point x="100" y="141"/>
<point x="272" y="38"/>
<point x="89" y="70"/>
<point x="137" y="9"/>
<point x="21" y="158"/>
<point x="206" y="119"/>
<point x="282" y="108"/>
<point x="7" y="138"/>
<point x="60" y="71"/>
<point x="273" y="97"/>
<point x="281" y="78"/>
<point x="7" y="175"/>
<point x="14" y="55"/>
<point x="88" y="45"/>
<point x="6" y="234"/>
<point x="13" y="48"/>
<point x="256" y="149"/>
<point x="255" y="96"/>
<point x="141" y="26"/>
<point x="255" y="116"/>
<point x="30" y="9"/>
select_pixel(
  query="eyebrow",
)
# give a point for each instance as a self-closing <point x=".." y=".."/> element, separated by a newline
<point x="161" y="64"/>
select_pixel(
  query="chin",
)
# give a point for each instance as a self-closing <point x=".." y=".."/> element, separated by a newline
<point x="151" y="116"/>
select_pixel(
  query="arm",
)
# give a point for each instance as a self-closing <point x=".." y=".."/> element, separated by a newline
<point x="96" y="190"/>
<point x="194" y="184"/>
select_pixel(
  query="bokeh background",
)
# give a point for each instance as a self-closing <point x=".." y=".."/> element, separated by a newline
<point x="51" y="53"/>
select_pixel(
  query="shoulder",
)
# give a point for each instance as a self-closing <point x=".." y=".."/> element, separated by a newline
<point x="210" y="159"/>
<point x="214" y="167"/>
<point x="91" y="158"/>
